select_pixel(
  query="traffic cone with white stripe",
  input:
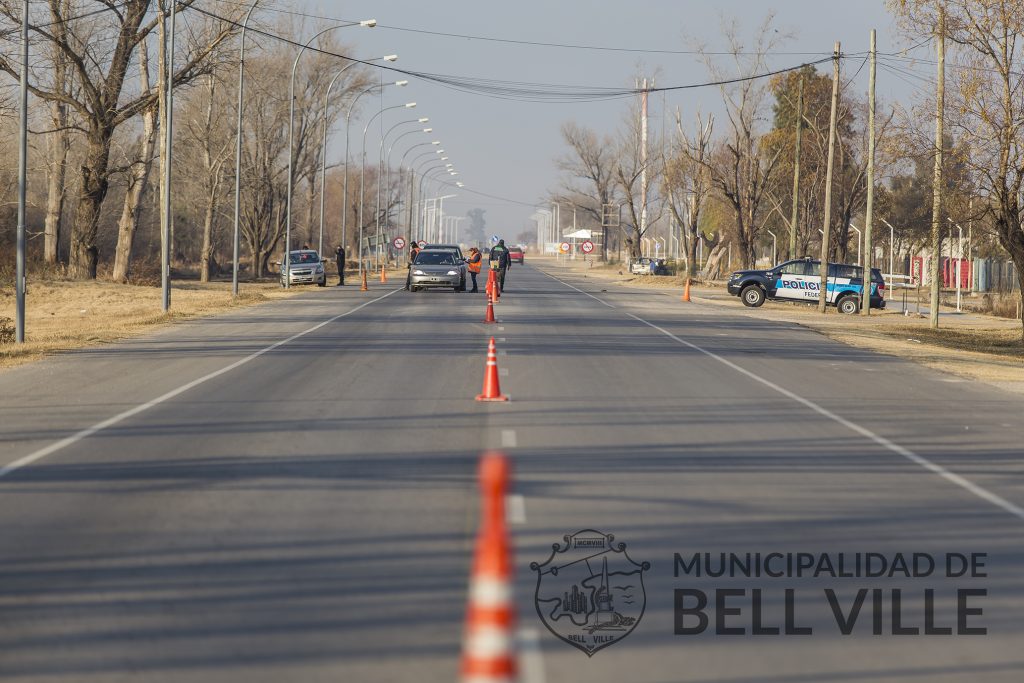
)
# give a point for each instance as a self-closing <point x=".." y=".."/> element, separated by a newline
<point x="492" y="387"/>
<point x="489" y="287"/>
<point x="383" y="273"/>
<point x="489" y="317"/>
<point x="488" y="652"/>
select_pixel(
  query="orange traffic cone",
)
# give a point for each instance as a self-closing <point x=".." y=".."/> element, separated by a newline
<point x="489" y="318"/>
<point x="492" y="388"/>
<point x="364" y="288"/>
<point x="488" y="646"/>
<point x="383" y="273"/>
<point x="489" y="287"/>
<point x="686" y="290"/>
<point x="496" y="288"/>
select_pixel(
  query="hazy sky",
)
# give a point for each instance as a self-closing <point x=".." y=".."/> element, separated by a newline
<point x="507" y="148"/>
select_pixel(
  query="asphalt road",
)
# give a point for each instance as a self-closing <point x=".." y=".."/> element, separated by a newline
<point x="287" y="492"/>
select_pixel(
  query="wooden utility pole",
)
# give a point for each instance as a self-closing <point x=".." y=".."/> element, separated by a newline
<point x="823" y="287"/>
<point x="865" y="306"/>
<point x="796" y="169"/>
<point x="940" y="98"/>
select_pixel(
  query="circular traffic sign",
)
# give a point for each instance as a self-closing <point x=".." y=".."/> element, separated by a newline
<point x="399" y="243"/>
<point x="587" y="247"/>
<point x="422" y="243"/>
<point x="564" y="247"/>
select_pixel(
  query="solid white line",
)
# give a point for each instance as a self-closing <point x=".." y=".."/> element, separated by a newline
<point x="515" y="508"/>
<point x="142" y="407"/>
<point x="531" y="661"/>
<point x="927" y="464"/>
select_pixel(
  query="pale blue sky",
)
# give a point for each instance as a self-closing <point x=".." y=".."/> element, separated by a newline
<point x="508" y="148"/>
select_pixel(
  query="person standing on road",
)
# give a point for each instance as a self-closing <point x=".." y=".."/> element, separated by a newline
<point x="474" y="263"/>
<point x="500" y="261"/>
<point x="339" y="256"/>
<point x="414" y="249"/>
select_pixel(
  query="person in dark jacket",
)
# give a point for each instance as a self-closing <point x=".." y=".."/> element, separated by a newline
<point x="339" y="256"/>
<point x="414" y="250"/>
<point x="501" y="262"/>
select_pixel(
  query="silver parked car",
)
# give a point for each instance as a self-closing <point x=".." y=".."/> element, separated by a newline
<point x="436" y="268"/>
<point x="460" y="260"/>
<point x="305" y="268"/>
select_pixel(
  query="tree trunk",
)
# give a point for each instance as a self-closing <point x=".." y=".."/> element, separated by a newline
<point x="691" y="255"/>
<point x="139" y="178"/>
<point x="95" y="183"/>
<point x="60" y="143"/>
<point x="713" y="264"/>
<point x="207" y="251"/>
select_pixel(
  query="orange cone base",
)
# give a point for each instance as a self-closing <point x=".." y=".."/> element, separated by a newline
<point x="485" y="399"/>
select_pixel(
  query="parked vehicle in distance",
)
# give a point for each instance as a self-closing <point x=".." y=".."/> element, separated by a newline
<point x="643" y="266"/>
<point x="305" y="267"/>
<point x="516" y="254"/>
<point x="436" y="268"/>
<point x="800" y="280"/>
<point x="460" y="260"/>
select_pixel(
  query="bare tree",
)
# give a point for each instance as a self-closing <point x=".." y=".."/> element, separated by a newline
<point x="687" y="183"/>
<point x="590" y="159"/>
<point x="100" y="66"/>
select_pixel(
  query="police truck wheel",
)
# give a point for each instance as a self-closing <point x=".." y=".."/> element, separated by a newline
<point x="849" y="305"/>
<point x="752" y="295"/>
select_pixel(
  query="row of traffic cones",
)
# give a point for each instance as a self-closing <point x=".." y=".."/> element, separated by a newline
<point x="363" y="287"/>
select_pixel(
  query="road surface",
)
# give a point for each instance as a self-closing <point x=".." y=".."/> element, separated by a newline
<point x="287" y="492"/>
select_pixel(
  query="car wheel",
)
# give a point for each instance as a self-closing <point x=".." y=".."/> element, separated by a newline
<point x="322" y="284"/>
<point x="848" y="305"/>
<point x="752" y="295"/>
<point x="413" y="289"/>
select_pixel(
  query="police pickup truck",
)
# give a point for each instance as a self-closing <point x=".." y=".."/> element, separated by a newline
<point x="800" y="280"/>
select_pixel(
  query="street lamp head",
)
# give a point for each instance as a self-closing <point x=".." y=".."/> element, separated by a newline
<point x="444" y="158"/>
<point x="460" y="184"/>
<point x="390" y="58"/>
<point x="368" y="23"/>
<point x="423" y="120"/>
<point x="410" y="105"/>
<point x="436" y="142"/>
<point x="428" y="130"/>
<point x="453" y="173"/>
<point x="401" y="84"/>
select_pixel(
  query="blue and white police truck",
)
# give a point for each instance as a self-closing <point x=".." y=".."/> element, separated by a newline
<point x="800" y="280"/>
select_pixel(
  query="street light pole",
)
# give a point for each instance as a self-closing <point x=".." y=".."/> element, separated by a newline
<point x="323" y="152"/>
<point x="362" y="175"/>
<point x="382" y="170"/>
<point x="165" y="236"/>
<point x="369" y="23"/>
<point x="774" y="242"/>
<point x="412" y="182"/>
<point x="860" y="235"/>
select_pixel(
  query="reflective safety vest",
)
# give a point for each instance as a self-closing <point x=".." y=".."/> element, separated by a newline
<point x="475" y="262"/>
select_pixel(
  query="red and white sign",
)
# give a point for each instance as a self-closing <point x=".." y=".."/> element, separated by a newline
<point x="587" y="247"/>
<point x="564" y="247"/>
<point x="399" y="243"/>
<point x="422" y="243"/>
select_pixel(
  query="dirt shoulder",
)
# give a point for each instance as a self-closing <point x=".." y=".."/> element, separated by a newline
<point x="972" y="346"/>
<point x="62" y="315"/>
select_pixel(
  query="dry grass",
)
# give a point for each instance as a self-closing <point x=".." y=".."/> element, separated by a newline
<point x="64" y="315"/>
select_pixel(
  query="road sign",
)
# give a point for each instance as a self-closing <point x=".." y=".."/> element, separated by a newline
<point x="587" y="247"/>
<point x="564" y="247"/>
<point x="399" y="243"/>
<point x="422" y="243"/>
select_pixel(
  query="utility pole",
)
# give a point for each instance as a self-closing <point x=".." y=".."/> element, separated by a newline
<point x="643" y="161"/>
<point x="940" y="96"/>
<point x="19" y="269"/>
<point x="823" y="286"/>
<point x="167" y="231"/>
<point x="796" y="169"/>
<point x="866" y="260"/>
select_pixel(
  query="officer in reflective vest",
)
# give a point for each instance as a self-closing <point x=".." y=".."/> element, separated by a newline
<point x="474" y="263"/>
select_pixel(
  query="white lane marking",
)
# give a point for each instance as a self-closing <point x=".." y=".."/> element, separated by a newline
<point x="503" y="372"/>
<point x="508" y="438"/>
<point x="500" y="328"/>
<point x="515" y="508"/>
<point x="501" y="339"/>
<point x="142" y="407"/>
<point x="952" y="477"/>
<point x="531" y="661"/>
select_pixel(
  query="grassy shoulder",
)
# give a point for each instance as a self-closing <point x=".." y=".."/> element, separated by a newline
<point x="62" y="315"/>
<point x="972" y="346"/>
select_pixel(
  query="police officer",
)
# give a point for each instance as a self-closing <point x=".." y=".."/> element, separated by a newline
<point x="474" y="263"/>
<point x="500" y="261"/>
<point x="339" y="256"/>
<point x="414" y="249"/>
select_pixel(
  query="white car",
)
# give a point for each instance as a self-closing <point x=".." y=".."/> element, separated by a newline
<point x="305" y="267"/>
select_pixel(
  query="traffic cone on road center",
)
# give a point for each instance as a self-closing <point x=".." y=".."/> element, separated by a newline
<point x="489" y="317"/>
<point x="364" y="288"/>
<point x="383" y="273"/>
<point x="686" y="290"/>
<point x="492" y="387"/>
<point x="489" y="287"/>
<point x="488" y="646"/>
<point x="496" y="288"/>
